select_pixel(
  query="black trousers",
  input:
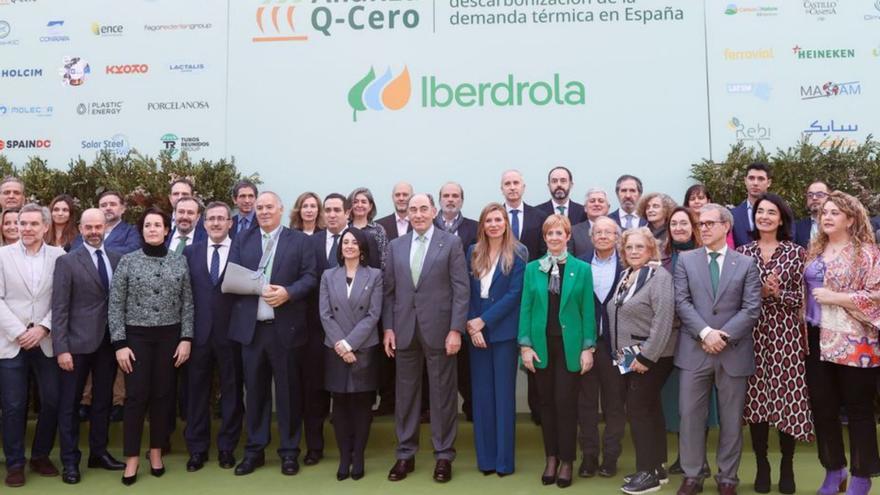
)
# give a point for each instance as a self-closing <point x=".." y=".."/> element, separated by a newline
<point x="225" y="355"/>
<point x="558" y="394"/>
<point x="150" y="386"/>
<point x="315" y="400"/>
<point x="645" y="412"/>
<point x="603" y="382"/>
<point x="832" y="386"/>
<point x="101" y="364"/>
<point x="352" y="418"/>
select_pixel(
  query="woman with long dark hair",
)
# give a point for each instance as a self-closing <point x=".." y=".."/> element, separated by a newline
<point x="62" y="229"/>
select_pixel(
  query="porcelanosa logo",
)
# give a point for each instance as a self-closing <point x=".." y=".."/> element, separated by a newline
<point x="158" y="106"/>
<point x="393" y="93"/>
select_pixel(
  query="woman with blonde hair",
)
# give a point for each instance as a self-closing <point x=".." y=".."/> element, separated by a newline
<point x="306" y="215"/>
<point x="843" y="313"/>
<point x="496" y="276"/>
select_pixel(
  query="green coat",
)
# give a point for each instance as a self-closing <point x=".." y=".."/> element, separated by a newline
<point x="576" y="312"/>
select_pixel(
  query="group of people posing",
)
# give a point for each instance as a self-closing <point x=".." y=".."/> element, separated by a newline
<point x="673" y="317"/>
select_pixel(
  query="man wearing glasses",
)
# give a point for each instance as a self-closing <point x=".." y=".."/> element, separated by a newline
<point x="807" y="228"/>
<point x="718" y="299"/>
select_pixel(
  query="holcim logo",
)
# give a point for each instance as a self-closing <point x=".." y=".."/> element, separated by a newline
<point x="380" y="94"/>
<point x="127" y="69"/>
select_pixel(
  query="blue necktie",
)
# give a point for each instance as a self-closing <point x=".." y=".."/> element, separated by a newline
<point x="334" y="249"/>
<point x="215" y="265"/>
<point x="514" y="223"/>
<point x="102" y="271"/>
<point x="242" y="223"/>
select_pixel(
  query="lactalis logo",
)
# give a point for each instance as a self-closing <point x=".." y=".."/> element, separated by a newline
<point x="393" y="93"/>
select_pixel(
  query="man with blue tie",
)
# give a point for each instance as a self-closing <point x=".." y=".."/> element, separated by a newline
<point x="758" y="181"/>
<point x="244" y="194"/>
<point x="81" y="340"/>
<point x="629" y="190"/>
<point x="212" y="347"/>
<point x="272" y="331"/>
<point x="525" y="220"/>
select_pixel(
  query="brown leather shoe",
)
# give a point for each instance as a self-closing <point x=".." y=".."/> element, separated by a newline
<point x="15" y="477"/>
<point x="43" y="466"/>
<point x="401" y="468"/>
<point x="727" y="489"/>
<point x="690" y="486"/>
<point x="443" y="470"/>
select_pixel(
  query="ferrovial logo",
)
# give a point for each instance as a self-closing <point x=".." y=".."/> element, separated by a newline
<point x="100" y="108"/>
<point x="178" y="105"/>
<point x="54" y="33"/>
<point x="127" y="69"/>
<point x="13" y="144"/>
<point x="103" y="30"/>
<point x="393" y="93"/>
<point x="750" y="9"/>
<point x="756" y="54"/>
<point x="26" y="110"/>
<point x="117" y="144"/>
<point x="73" y="72"/>
<point x="271" y="29"/>
<point x="748" y="132"/>
<point x="822" y="53"/>
<point x="830" y="90"/>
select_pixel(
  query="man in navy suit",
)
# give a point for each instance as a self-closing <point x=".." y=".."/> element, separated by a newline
<point x="758" y="181"/>
<point x="119" y="237"/>
<point x="560" y="182"/>
<point x="244" y="194"/>
<point x="212" y="347"/>
<point x="807" y="228"/>
<point x="629" y="190"/>
<point x="184" y="188"/>
<point x="272" y="331"/>
<point x="526" y="221"/>
<point x="187" y="214"/>
<point x="397" y="223"/>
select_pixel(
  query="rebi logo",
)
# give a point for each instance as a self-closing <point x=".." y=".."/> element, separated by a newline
<point x="745" y="132"/>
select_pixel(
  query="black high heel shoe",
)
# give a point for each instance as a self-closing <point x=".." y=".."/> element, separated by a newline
<point x="563" y="479"/>
<point x="549" y="476"/>
<point x="157" y="472"/>
<point x="130" y="480"/>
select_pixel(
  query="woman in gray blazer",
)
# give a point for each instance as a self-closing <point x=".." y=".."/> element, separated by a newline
<point x="350" y="305"/>
<point x="641" y="328"/>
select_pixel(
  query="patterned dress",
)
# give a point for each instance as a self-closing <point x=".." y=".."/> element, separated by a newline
<point x="777" y="392"/>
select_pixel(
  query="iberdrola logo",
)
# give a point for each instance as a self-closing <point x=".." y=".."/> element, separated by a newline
<point x="384" y="92"/>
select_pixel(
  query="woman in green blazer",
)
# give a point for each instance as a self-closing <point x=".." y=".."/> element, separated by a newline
<point x="557" y="337"/>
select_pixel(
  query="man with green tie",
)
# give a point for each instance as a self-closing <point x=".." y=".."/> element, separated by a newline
<point x="560" y="183"/>
<point x="187" y="213"/>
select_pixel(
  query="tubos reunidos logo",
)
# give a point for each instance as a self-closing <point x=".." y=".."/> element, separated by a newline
<point x="393" y="93"/>
<point x="54" y="33"/>
<point x="172" y="143"/>
<point x="74" y="71"/>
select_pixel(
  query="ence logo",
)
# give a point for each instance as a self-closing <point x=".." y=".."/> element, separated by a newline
<point x="280" y="32"/>
<point x="379" y="94"/>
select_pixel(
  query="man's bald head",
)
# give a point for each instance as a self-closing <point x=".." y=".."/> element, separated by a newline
<point x="92" y="224"/>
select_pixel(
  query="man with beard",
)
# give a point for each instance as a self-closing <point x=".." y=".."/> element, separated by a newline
<point x="560" y="182"/>
<point x="187" y="215"/>
<point x="451" y="220"/>
<point x="629" y="190"/>
<point x="81" y="342"/>
<point x="397" y="224"/>
<point x="596" y="205"/>
<point x="119" y="236"/>
<point x="806" y="228"/>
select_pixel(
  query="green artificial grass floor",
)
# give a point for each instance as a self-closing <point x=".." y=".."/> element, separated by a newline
<point x="321" y="479"/>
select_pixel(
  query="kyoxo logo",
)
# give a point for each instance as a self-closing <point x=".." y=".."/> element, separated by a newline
<point x="127" y="69"/>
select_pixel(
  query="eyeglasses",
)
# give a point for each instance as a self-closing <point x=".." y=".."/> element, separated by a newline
<point x="709" y="224"/>
<point x="817" y="195"/>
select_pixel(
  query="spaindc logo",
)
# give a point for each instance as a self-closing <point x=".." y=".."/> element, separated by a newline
<point x="276" y="24"/>
<point x="830" y="89"/>
<point x="748" y="132"/>
<point x="74" y="71"/>
<point x="54" y="33"/>
<point x="385" y="92"/>
<point x="25" y="144"/>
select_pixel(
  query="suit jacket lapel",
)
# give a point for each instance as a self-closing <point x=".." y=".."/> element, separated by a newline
<point x="18" y="261"/>
<point x="48" y="265"/>
<point x="339" y="286"/>
<point x="498" y="268"/>
<point x="567" y="284"/>
<point x="358" y="288"/>
<point x="85" y="259"/>
<point x="727" y="269"/>
<point x="435" y="245"/>
<point x="278" y="255"/>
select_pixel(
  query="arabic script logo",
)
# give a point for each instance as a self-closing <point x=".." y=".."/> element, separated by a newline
<point x="380" y="93"/>
<point x="281" y="33"/>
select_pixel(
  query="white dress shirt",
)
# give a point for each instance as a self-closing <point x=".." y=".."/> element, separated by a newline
<point x="402" y="225"/>
<point x="223" y="250"/>
<point x="328" y="244"/>
<point x="722" y="253"/>
<point x="264" y="311"/>
<point x="486" y="280"/>
<point x="34" y="264"/>
<point x="635" y="219"/>
<point x="94" y="258"/>
<point x="176" y="240"/>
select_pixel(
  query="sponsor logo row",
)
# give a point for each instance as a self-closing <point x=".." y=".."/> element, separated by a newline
<point x="821" y="10"/>
<point x="74" y="70"/>
<point x="827" y="133"/>
<point x="59" y="31"/>
<point x="118" y="144"/>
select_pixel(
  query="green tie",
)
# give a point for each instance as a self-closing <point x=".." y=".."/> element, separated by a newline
<point x="181" y="244"/>
<point x="714" y="272"/>
<point x="418" y="259"/>
<point x="561" y="210"/>
<point x="268" y="254"/>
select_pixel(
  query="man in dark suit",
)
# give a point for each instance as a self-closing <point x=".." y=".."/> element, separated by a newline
<point x="718" y="300"/>
<point x="807" y="228"/>
<point x="758" y="181"/>
<point x="595" y="206"/>
<point x="424" y="315"/>
<point x="81" y="341"/>
<point x="244" y="194"/>
<point x="628" y="189"/>
<point x="451" y="220"/>
<point x="119" y="237"/>
<point x="272" y="331"/>
<point x="396" y="224"/>
<point x="184" y="188"/>
<point x="187" y="214"/>
<point x="560" y="183"/>
<point x="212" y="349"/>
<point x="604" y="382"/>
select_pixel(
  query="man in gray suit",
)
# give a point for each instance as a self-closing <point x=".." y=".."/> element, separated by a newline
<point x="718" y="299"/>
<point x="424" y="315"/>
<point x="82" y="344"/>
<point x="595" y="206"/>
